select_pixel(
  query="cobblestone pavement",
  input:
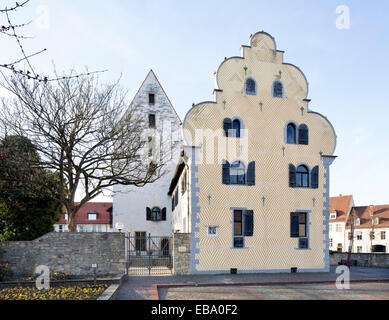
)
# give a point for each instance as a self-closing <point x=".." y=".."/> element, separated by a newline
<point x="358" y="291"/>
<point x="139" y="287"/>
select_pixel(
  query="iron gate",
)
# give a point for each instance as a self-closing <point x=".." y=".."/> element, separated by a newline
<point x="148" y="255"/>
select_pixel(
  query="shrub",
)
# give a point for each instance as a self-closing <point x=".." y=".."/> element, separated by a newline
<point x="4" y="268"/>
<point x="59" y="275"/>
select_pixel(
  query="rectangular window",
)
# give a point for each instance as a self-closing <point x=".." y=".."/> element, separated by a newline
<point x="65" y="216"/>
<point x="212" y="231"/>
<point x="140" y="241"/>
<point x="331" y="242"/>
<point x="298" y="228"/>
<point x="151" y="98"/>
<point x="331" y="228"/>
<point x="333" y="215"/>
<point x="302" y="224"/>
<point x="338" y="227"/>
<point x="238" y="229"/>
<point x="183" y="183"/>
<point x="340" y="247"/>
<point x="60" y="228"/>
<point x="383" y="235"/>
<point x="238" y="223"/>
<point x="359" y="235"/>
<point x="151" y="120"/>
<point x="359" y="249"/>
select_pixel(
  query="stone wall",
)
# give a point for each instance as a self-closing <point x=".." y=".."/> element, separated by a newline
<point x="377" y="260"/>
<point x="181" y="253"/>
<point x="71" y="252"/>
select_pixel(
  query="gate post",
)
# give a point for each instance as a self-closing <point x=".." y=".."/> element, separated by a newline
<point x="128" y="247"/>
<point x="149" y="253"/>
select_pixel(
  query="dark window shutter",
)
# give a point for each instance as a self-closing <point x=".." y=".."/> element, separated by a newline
<point x="294" y="224"/>
<point x="148" y="213"/>
<point x="303" y="134"/>
<point x="176" y="198"/>
<point x="248" y="223"/>
<point x="315" y="177"/>
<point x="251" y="174"/>
<point x="227" y="125"/>
<point x="226" y="173"/>
<point x="163" y="214"/>
<point x="292" y="176"/>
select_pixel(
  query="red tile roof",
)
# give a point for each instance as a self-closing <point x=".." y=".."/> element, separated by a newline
<point x="341" y="206"/>
<point x="102" y="208"/>
<point x="366" y="213"/>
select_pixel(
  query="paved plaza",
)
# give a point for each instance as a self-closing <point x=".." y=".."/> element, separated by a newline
<point x="249" y="286"/>
<point x="357" y="291"/>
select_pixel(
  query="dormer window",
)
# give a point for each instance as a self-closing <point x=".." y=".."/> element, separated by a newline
<point x="376" y="221"/>
<point x="357" y="222"/>
<point x="151" y="98"/>
<point x="333" y="215"/>
<point x="65" y="216"/>
<point x="92" y="215"/>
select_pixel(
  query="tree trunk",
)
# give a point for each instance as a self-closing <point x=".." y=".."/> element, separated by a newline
<point x="71" y="210"/>
<point x="72" y="225"/>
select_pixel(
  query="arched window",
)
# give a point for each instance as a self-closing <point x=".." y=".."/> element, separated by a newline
<point x="236" y="127"/>
<point x="156" y="214"/>
<point x="237" y="173"/>
<point x="227" y="125"/>
<point x="302" y="176"/>
<point x="250" y="87"/>
<point x="278" y="89"/>
<point x="291" y="133"/>
<point x="303" y="134"/>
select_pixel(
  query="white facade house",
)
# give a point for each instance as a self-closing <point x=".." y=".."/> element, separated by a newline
<point x="147" y="210"/>
<point x="92" y="217"/>
<point x="370" y="226"/>
<point x="340" y="208"/>
<point x="370" y="229"/>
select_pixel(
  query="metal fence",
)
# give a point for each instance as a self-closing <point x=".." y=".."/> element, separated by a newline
<point x="148" y="255"/>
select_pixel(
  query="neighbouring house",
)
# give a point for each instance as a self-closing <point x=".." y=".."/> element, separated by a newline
<point x="340" y="208"/>
<point x="370" y="229"/>
<point x="92" y="217"/>
<point x="146" y="210"/>
<point x="251" y="187"/>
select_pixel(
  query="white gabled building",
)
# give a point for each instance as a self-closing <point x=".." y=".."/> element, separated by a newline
<point x="144" y="210"/>
<point x="340" y="208"/>
<point x="370" y="226"/>
<point x="370" y="229"/>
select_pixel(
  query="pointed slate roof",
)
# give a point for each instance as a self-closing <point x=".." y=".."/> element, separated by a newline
<point x="152" y="74"/>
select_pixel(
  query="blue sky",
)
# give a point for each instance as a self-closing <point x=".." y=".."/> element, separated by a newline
<point x="346" y="69"/>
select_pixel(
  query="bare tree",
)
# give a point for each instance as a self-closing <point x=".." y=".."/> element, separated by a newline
<point x="83" y="131"/>
<point x="13" y="31"/>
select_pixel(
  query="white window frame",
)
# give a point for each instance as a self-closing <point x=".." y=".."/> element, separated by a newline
<point x="333" y="215"/>
<point x="92" y="214"/>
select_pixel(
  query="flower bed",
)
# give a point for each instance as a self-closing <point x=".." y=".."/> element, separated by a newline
<point x="87" y="292"/>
